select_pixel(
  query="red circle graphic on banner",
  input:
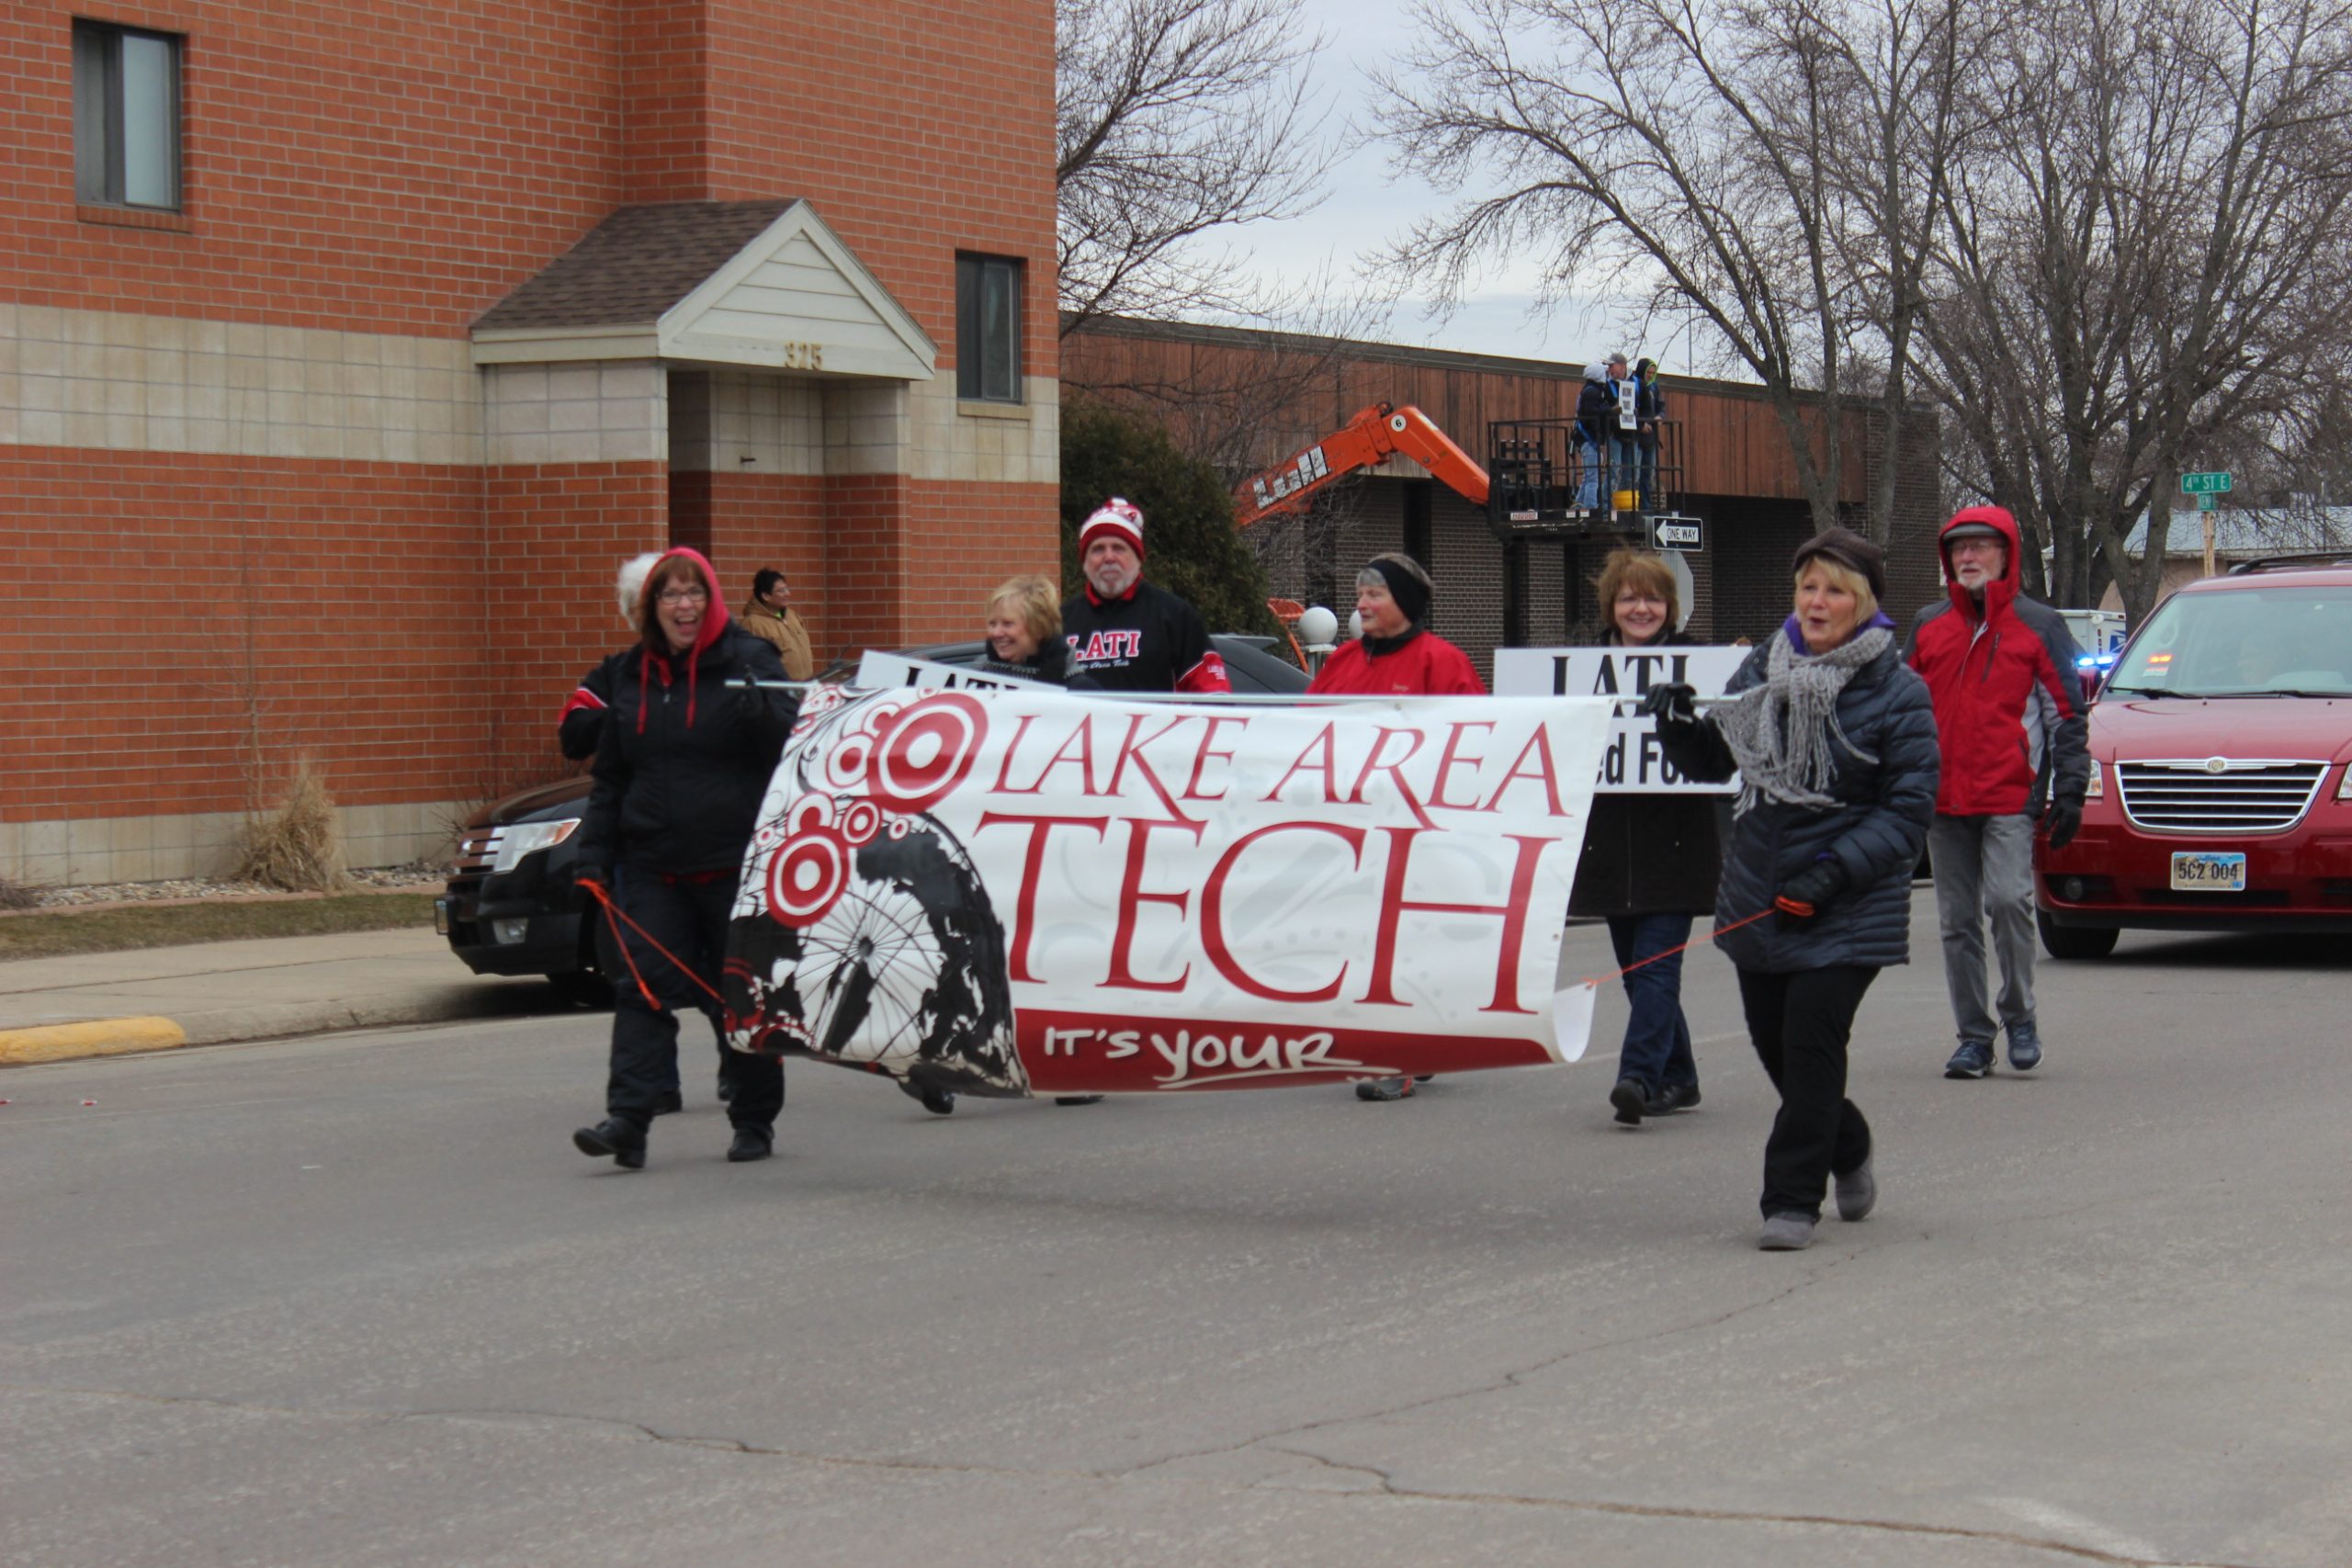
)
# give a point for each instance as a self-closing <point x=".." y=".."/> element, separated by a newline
<point x="927" y="751"/>
<point x="806" y="878"/>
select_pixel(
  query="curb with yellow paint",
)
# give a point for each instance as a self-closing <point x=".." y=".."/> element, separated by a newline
<point x="94" y="1037"/>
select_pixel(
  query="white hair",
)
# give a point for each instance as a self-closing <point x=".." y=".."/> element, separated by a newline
<point x="629" y="583"/>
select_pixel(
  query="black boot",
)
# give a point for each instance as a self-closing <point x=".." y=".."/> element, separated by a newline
<point x="668" y="1101"/>
<point x="935" y="1099"/>
<point x="622" y="1142"/>
<point x="751" y="1143"/>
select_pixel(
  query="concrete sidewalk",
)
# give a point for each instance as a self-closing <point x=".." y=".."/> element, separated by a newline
<point x="102" y="1003"/>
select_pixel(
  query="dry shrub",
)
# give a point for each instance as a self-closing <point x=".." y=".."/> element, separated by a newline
<point x="298" y="847"/>
<point x="15" y="895"/>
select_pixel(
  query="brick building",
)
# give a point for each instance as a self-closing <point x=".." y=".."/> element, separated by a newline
<point x="346" y="348"/>
<point x="1263" y="396"/>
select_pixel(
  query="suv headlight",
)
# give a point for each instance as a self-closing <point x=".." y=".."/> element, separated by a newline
<point x="2096" y="788"/>
<point x="528" y="839"/>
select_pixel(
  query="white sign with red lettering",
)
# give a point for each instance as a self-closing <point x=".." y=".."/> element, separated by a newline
<point x="1023" y="891"/>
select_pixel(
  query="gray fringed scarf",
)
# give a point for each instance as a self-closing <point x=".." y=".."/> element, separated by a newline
<point x="1779" y="731"/>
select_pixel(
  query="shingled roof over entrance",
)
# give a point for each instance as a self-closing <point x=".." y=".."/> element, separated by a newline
<point x="634" y="265"/>
<point x="764" y="284"/>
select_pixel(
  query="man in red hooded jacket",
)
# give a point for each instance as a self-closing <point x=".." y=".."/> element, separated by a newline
<point x="2009" y="719"/>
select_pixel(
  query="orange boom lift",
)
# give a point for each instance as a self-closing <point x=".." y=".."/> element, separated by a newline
<point x="1371" y="437"/>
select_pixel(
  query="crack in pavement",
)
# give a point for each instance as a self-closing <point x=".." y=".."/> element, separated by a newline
<point x="1387" y="1485"/>
<point x="1509" y="1379"/>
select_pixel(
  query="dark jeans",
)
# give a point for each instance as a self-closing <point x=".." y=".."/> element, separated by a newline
<point x="690" y="919"/>
<point x="1800" y="1023"/>
<point x="1658" y="1037"/>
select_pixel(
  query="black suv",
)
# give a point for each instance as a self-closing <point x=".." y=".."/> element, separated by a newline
<point x="510" y="907"/>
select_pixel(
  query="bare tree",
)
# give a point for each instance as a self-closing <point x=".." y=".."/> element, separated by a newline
<point x="2151" y="258"/>
<point x="1697" y="153"/>
<point x="1175" y="119"/>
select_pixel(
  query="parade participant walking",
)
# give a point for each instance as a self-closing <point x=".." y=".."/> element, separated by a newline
<point x="582" y="723"/>
<point x="578" y="730"/>
<point x="1124" y="632"/>
<point x="1648" y="865"/>
<point x="1834" y="739"/>
<point x="680" y="773"/>
<point x="2009" y="715"/>
<point x="1397" y="654"/>
<point x="1024" y="634"/>
<point x="769" y="615"/>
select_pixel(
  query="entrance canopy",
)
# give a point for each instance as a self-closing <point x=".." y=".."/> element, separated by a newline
<point x="755" y="284"/>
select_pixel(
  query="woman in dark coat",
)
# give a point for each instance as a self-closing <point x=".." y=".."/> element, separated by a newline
<point x="682" y="766"/>
<point x="1835" y="742"/>
<point x="1648" y="865"/>
<point x="1024" y="634"/>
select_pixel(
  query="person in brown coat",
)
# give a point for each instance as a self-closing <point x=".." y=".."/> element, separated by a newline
<point x="769" y="615"/>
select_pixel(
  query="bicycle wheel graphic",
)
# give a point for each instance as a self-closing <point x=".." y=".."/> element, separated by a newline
<point x="905" y="971"/>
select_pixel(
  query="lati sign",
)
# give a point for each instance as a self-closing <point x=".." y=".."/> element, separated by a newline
<point x="2204" y="484"/>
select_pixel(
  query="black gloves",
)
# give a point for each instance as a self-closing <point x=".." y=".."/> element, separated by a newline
<point x="1802" y="896"/>
<point x="584" y="872"/>
<point x="1673" y="705"/>
<point x="2062" y="819"/>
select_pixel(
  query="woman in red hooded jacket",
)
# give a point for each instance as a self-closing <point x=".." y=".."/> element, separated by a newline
<point x="1396" y="655"/>
<point x="683" y="764"/>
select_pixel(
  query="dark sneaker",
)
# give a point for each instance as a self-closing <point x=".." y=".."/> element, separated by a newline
<point x="1973" y="1060"/>
<point x="1673" y="1098"/>
<point x="613" y="1139"/>
<point x="2025" y="1048"/>
<point x="1631" y="1100"/>
<point x="668" y="1101"/>
<point x="935" y="1099"/>
<point x="1857" y="1191"/>
<point x="751" y="1143"/>
<point x="1384" y="1088"/>
<point x="1788" y="1231"/>
<point x="1078" y="1099"/>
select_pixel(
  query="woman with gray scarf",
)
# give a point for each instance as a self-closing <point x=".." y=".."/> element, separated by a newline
<point x="1835" y="743"/>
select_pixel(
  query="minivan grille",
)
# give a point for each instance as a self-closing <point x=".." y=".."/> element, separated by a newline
<point x="2243" y="796"/>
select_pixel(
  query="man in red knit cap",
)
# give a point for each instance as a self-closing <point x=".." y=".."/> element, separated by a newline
<point x="1127" y="635"/>
<point x="1396" y="655"/>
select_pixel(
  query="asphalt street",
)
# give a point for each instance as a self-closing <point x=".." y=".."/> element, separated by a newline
<point x="355" y="1300"/>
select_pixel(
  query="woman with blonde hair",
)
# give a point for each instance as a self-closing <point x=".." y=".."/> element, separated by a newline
<point x="1024" y="634"/>
<point x="1834" y="739"/>
<point x="1648" y="865"/>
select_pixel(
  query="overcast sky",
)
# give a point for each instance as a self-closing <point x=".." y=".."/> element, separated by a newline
<point x="1366" y="207"/>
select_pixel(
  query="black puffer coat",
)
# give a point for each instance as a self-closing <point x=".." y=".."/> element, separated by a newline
<point x="1648" y="854"/>
<point x="685" y="759"/>
<point x="1875" y="831"/>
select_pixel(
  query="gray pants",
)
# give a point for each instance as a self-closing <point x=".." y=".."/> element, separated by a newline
<point x="1984" y="869"/>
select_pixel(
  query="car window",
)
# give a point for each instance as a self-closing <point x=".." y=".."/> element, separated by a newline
<point x="2244" y="642"/>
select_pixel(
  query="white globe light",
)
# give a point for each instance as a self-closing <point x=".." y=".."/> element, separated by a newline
<point x="1318" y="626"/>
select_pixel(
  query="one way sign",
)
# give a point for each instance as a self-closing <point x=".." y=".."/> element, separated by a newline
<point x="1674" y="533"/>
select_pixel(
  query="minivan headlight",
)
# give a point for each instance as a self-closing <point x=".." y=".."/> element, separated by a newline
<point x="2096" y="788"/>
<point x="2344" y="784"/>
<point x="529" y="838"/>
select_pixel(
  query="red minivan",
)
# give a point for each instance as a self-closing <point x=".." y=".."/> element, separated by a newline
<point x="2220" y="796"/>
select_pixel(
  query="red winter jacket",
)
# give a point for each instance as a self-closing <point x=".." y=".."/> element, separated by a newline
<point x="2008" y="705"/>
<point x="1426" y="664"/>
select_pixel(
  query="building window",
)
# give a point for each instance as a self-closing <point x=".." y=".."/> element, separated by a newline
<point x="126" y="117"/>
<point x="987" y="328"/>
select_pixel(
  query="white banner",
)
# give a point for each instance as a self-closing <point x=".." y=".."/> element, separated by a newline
<point x="1632" y="764"/>
<point x="876" y="670"/>
<point x="1024" y="891"/>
